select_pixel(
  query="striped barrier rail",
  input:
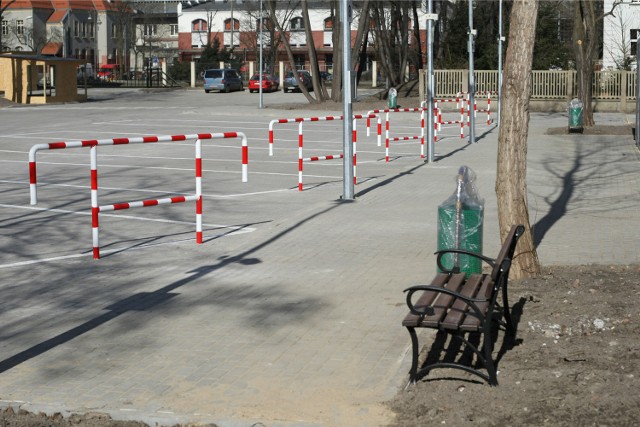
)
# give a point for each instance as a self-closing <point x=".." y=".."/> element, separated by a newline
<point x="488" y="94"/>
<point x="95" y="143"/>
<point x="295" y="120"/>
<point x="387" y="111"/>
<point x="459" y="105"/>
<point x="354" y="138"/>
<point x="477" y="110"/>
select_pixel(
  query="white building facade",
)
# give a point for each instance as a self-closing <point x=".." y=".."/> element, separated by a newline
<point x="621" y="32"/>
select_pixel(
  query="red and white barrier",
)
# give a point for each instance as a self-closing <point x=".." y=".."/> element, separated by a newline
<point x="354" y="138"/>
<point x="477" y="110"/>
<point x="377" y="113"/>
<point x="295" y="120"/>
<point x="94" y="144"/>
<point x="459" y="105"/>
<point x="487" y="110"/>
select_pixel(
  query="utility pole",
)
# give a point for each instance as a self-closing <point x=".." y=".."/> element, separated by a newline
<point x="346" y="10"/>
<point x="431" y="17"/>
<point x="472" y="80"/>
<point x="260" y="102"/>
<point x="500" y="40"/>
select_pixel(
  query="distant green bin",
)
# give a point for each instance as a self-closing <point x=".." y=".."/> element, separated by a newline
<point x="393" y="98"/>
<point x="575" y="115"/>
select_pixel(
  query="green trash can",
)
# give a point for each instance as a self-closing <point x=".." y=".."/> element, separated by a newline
<point x="575" y="115"/>
<point x="471" y="237"/>
<point x="460" y="225"/>
<point x="393" y="98"/>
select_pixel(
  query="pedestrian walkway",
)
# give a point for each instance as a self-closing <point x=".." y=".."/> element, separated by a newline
<point x="299" y="322"/>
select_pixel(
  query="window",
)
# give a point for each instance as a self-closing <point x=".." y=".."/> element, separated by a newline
<point x="265" y="24"/>
<point x="328" y="23"/>
<point x="150" y="30"/>
<point x="76" y="28"/>
<point x="84" y="29"/>
<point x="173" y="29"/>
<point x="296" y="24"/>
<point x="19" y="27"/>
<point x="114" y="31"/>
<point x="92" y="30"/>
<point x="634" y="34"/>
<point x="5" y="27"/>
<point x="199" y="25"/>
<point x="227" y="25"/>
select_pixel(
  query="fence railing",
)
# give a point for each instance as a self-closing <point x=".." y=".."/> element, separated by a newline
<point x="545" y="84"/>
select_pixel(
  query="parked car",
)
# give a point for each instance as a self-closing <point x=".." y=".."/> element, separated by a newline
<point x="327" y="77"/>
<point x="269" y="83"/>
<point x="290" y="83"/>
<point x="107" y="72"/>
<point x="224" y="80"/>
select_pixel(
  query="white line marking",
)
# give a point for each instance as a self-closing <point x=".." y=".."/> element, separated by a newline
<point x="237" y="229"/>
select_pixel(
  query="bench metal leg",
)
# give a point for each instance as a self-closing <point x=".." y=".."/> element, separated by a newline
<point x="488" y="359"/>
<point x="507" y="314"/>
<point x="414" y="355"/>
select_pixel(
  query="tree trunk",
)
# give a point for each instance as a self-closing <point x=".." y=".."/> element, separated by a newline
<point x="511" y="184"/>
<point x="313" y="57"/>
<point x="585" y="39"/>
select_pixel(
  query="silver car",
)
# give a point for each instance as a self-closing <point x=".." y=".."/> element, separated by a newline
<point x="290" y="83"/>
<point x="224" y="80"/>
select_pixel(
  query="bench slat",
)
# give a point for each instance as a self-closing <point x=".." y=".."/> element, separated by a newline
<point x="471" y="322"/>
<point x="460" y="308"/>
<point x="438" y="301"/>
<point x="425" y="300"/>
<point x="443" y="301"/>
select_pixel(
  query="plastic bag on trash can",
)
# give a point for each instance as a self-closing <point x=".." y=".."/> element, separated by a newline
<point x="575" y="114"/>
<point x="460" y="219"/>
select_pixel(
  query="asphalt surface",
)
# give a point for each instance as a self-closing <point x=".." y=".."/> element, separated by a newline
<point x="289" y="312"/>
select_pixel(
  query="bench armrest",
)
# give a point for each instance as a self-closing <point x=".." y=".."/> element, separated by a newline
<point x="440" y="254"/>
<point x="429" y="311"/>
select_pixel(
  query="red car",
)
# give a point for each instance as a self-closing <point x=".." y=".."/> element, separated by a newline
<point x="269" y="83"/>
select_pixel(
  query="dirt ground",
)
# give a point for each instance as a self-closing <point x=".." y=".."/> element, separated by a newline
<point x="576" y="364"/>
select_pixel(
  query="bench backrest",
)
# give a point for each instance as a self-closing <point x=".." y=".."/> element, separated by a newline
<point x="506" y="253"/>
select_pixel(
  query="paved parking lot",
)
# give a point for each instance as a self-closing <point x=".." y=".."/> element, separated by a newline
<point x="289" y="312"/>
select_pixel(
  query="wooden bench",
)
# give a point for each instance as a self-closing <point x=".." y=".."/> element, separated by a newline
<point x="461" y="306"/>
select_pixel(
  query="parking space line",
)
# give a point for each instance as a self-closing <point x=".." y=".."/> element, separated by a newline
<point x="237" y="229"/>
<point x="146" y="190"/>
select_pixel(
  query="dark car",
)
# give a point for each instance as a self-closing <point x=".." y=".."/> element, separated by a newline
<point x="290" y="83"/>
<point x="269" y="83"/>
<point x="327" y="77"/>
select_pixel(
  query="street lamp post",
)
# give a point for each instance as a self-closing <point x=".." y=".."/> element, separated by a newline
<point x="472" y="81"/>
<point x="347" y="123"/>
<point x="260" y="102"/>
<point x="500" y="40"/>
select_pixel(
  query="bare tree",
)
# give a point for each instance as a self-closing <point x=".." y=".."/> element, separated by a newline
<point x="620" y="49"/>
<point x="124" y="36"/>
<point x="511" y="184"/>
<point x="3" y="6"/>
<point x="280" y="26"/>
<point x="392" y="38"/>
<point x="586" y="36"/>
